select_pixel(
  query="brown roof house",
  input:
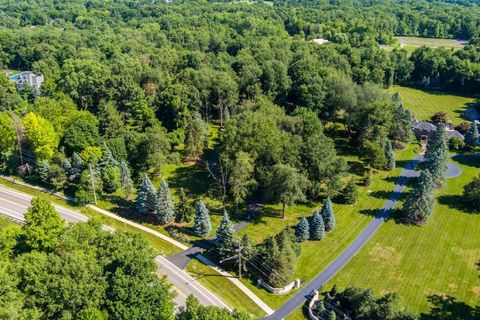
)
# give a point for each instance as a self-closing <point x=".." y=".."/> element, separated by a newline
<point x="424" y="130"/>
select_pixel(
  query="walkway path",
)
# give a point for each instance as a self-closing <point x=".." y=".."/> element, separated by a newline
<point x="234" y="280"/>
<point x="333" y="268"/>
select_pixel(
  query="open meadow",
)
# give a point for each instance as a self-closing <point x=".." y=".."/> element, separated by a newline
<point x="425" y="104"/>
<point x="433" y="267"/>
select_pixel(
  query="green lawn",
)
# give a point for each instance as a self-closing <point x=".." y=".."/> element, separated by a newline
<point x="351" y="219"/>
<point x="412" y="43"/>
<point x="433" y="266"/>
<point x="223" y="287"/>
<point x="425" y="103"/>
<point x="430" y="42"/>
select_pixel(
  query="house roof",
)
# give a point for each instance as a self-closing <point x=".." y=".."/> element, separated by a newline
<point x="424" y="126"/>
<point x="454" y="133"/>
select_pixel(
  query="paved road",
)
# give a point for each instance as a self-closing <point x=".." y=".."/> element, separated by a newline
<point x="302" y="295"/>
<point x="14" y="204"/>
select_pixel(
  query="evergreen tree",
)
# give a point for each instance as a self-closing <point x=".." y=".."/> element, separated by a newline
<point x="332" y="316"/>
<point x="202" y="225"/>
<point x="317" y="227"/>
<point x="248" y="251"/>
<point x="436" y="157"/>
<point x="77" y="166"/>
<point x="401" y="129"/>
<point x="125" y="178"/>
<point x="472" y="136"/>
<point x="321" y="308"/>
<point x="107" y="159"/>
<point x="283" y="262"/>
<point x="195" y="138"/>
<point x="146" y="196"/>
<point x="164" y="206"/>
<point x="349" y="194"/>
<point x="183" y="210"/>
<point x="419" y="203"/>
<point x="226" y="114"/>
<point x="328" y="215"/>
<point x="302" y="231"/>
<point x="390" y="165"/>
<point x="437" y="141"/>
<point x="437" y="165"/>
<point x="41" y="170"/>
<point x="225" y="238"/>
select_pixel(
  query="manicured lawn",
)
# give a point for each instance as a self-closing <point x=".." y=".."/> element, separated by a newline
<point x="430" y="42"/>
<point x="351" y="219"/>
<point x="223" y="287"/>
<point x="412" y="43"/>
<point x="433" y="266"/>
<point x="425" y="103"/>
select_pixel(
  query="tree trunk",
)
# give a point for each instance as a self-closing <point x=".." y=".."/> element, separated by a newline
<point x="283" y="210"/>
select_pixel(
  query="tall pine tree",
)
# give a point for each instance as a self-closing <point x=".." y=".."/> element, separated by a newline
<point x="472" y="136"/>
<point x="146" y="196"/>
<point x="201" y="225"/>
<point x="390" y="164"/>
<point x="419" y="203"/>
<point x="302" y="232"/>
<point x="126" y="179"/>
<point x="402" y="125"/>
<point x="164" y="206"/>
<point x="183" y="210"/>
<point x="225" y="238"/>
<point x="317" y="227"/>
<point x="436" y="157"/>
<point x="328" y="215"/>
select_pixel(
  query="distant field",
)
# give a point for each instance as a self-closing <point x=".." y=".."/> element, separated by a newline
<point x="432" y="267"/>
<point x="425" y="103"/>
<point x="411" y="43"/>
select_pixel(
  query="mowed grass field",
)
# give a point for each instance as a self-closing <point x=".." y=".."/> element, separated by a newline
<point x="350" y="220"/>
<point x="424" y="104"/>
<point x="412" y="43"/>
<point x="431" y="267"/>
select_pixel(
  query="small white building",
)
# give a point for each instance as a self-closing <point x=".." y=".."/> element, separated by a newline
<point x="27" y="78"/>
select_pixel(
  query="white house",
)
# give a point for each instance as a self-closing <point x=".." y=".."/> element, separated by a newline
<point x="27" y="78"/>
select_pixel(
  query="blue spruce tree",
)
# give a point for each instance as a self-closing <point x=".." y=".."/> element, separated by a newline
<point x="419" y="203"/>
<point x="328" y="215"/>
<point x="390" y="165"/>
<point x="317" y="227"/>
<point x="201" y="225"/>
<point x="302" y="232"/>
<point x="472" y="136"/>
<point x="225" y="238"/>
<point x="146" y="196"/>
<point x="164" y="205"/>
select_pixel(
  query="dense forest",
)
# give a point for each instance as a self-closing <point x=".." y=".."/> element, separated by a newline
<point x="130" y="86"/>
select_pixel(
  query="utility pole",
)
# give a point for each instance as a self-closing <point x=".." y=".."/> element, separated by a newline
<point x="239" y="256"/>
<point x="92" y="180"/>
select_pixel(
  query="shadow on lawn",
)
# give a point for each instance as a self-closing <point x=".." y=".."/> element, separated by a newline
<point x="447" y="307"/>
<point x="471" y="160"/>
<point x="388" y="214"/>
<point x="195" y="179"/>
<point x="456" y="202"/>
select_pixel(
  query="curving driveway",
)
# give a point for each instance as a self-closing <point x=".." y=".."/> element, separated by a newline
<point x="336" y="265"/>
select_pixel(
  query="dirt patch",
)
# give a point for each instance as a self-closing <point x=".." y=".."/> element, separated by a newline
<point x="452" y="286"/>
<point x="385" y="254"/>
<point x="476" y="291"/>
